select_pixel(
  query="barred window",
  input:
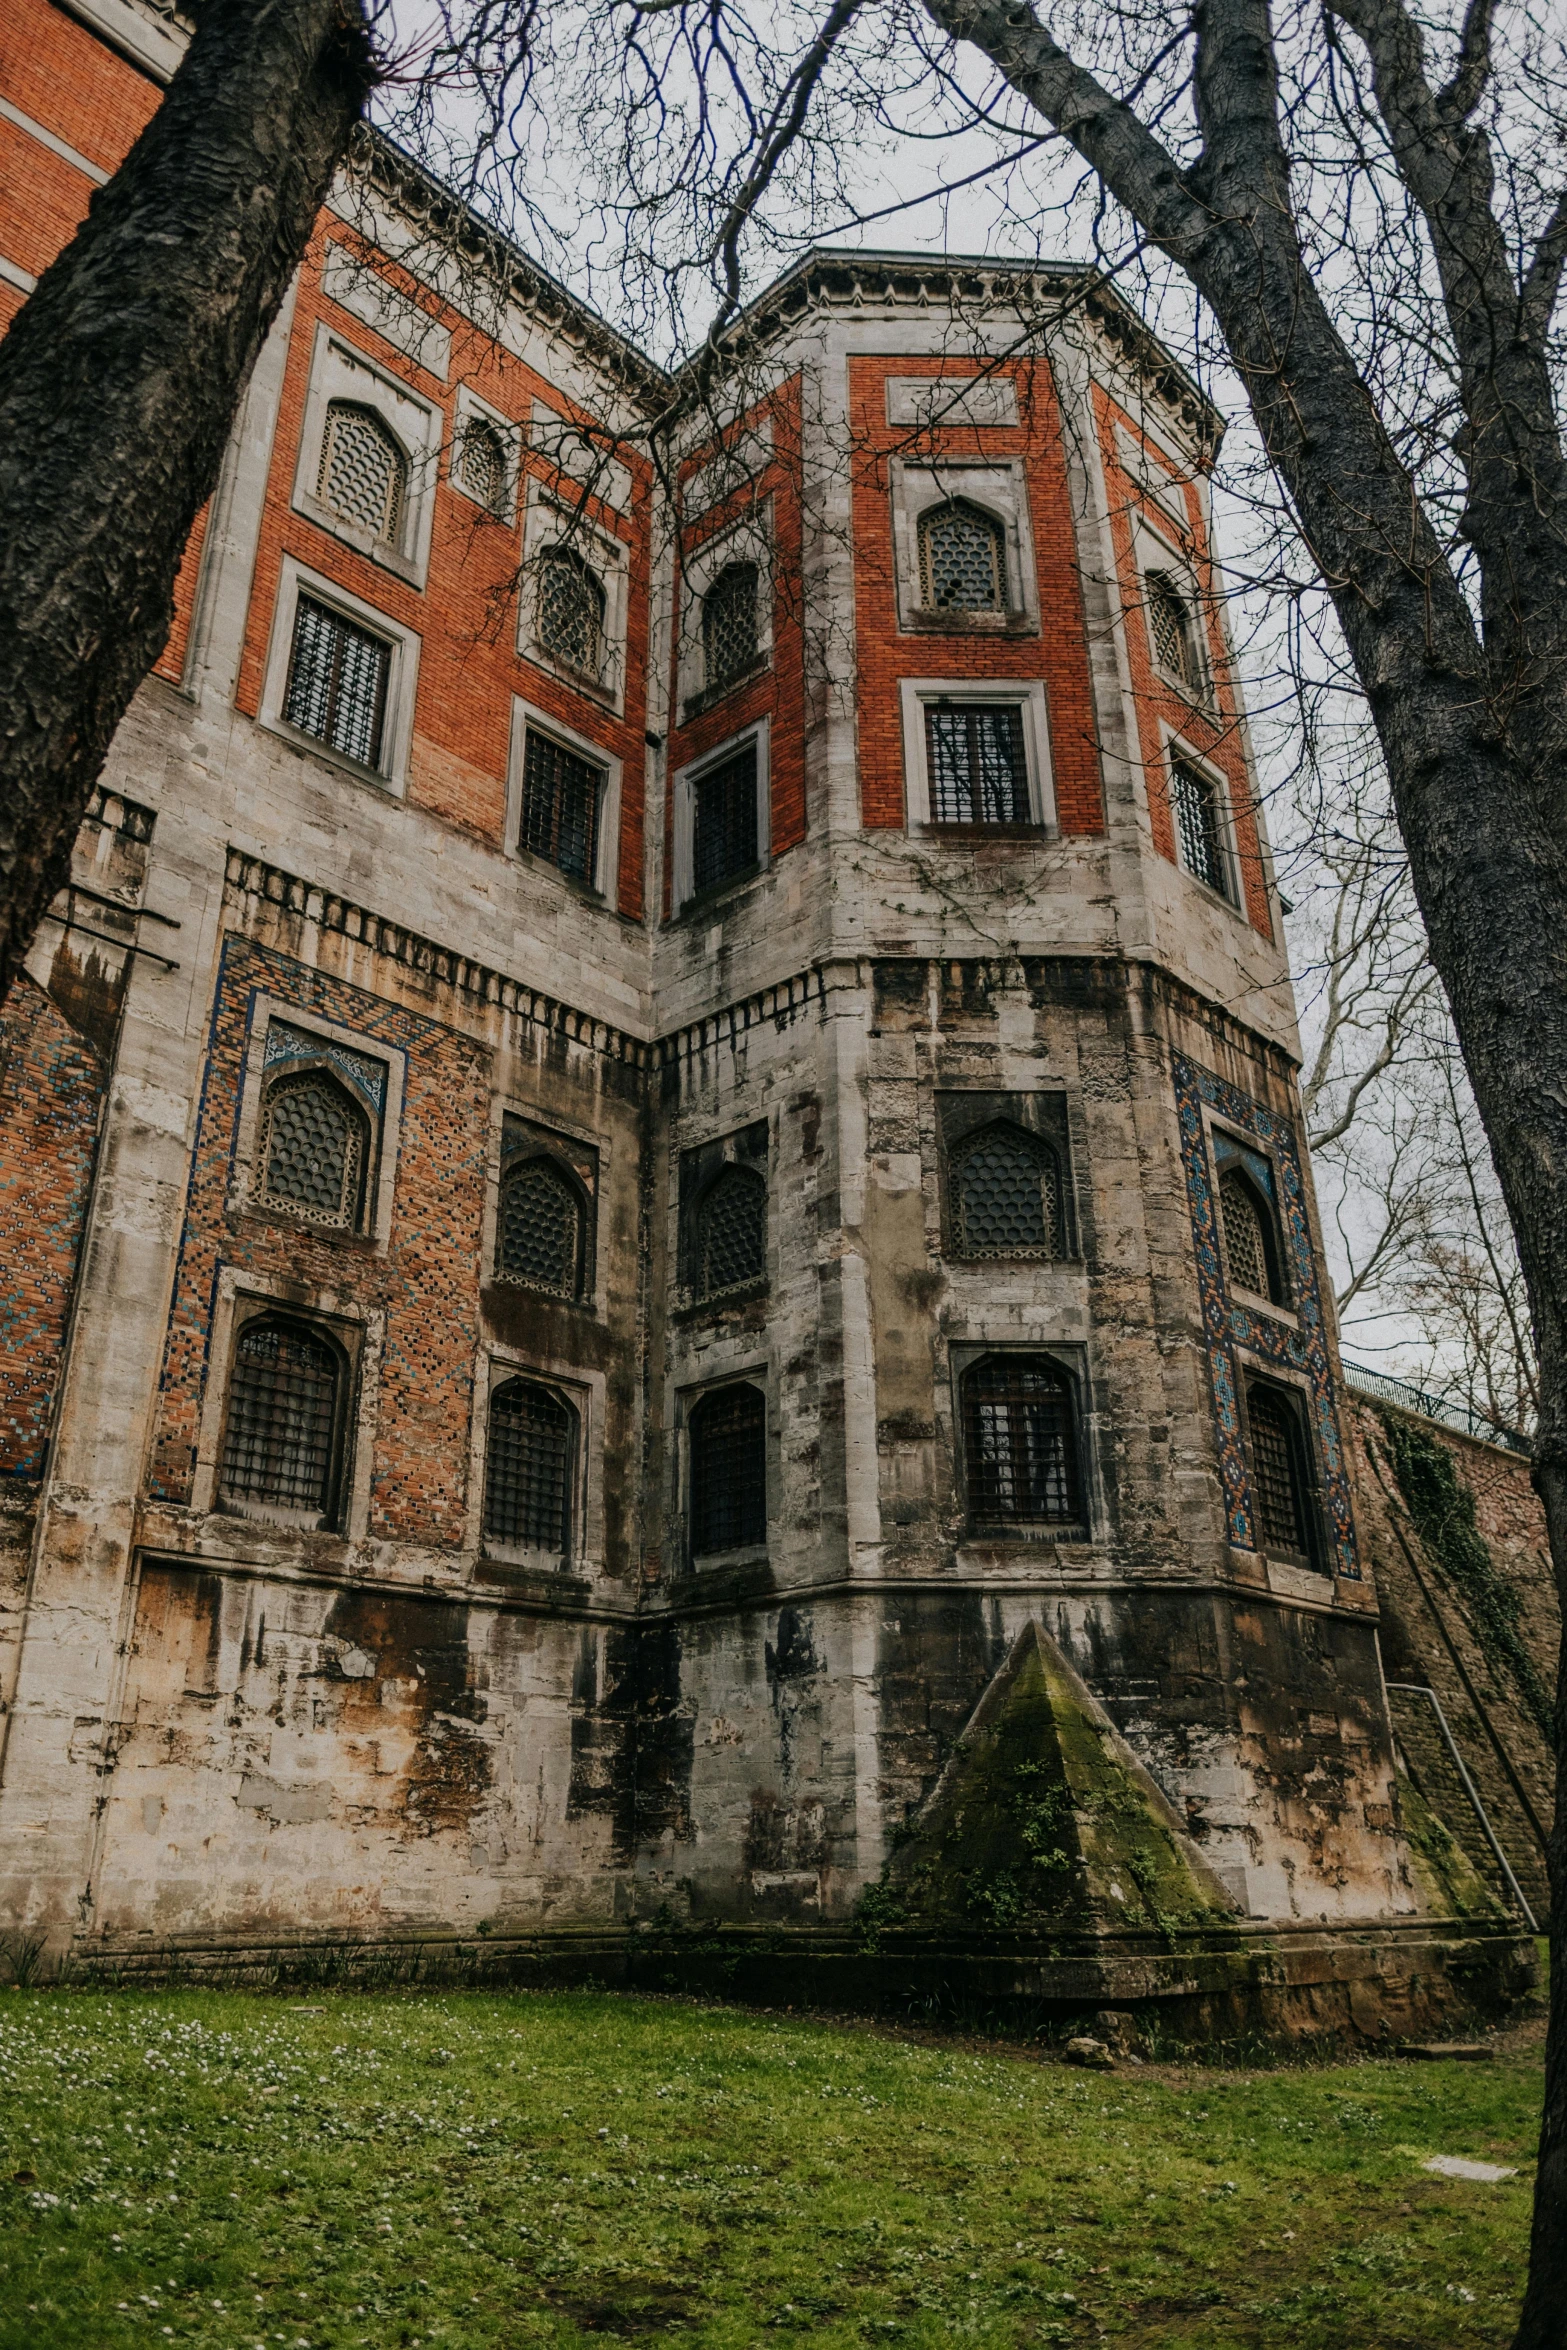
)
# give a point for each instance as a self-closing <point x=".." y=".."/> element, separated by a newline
<point x="1199" y="828"/>
<point x="1020" y="1443"/>
<point x="364" y="473"/>
<point x="1171" y="627"/>
<point x="731" y="1233"/>
<point x="280" y="1445"/>
<point x="542" y="1228"/>
<point x="481" y="464"/>
<point x="315" y="1150"/>
<point x="337" y="679"/>
<point x="1280" y="1477"/>
<point x="729" y="624"/>
<point x="977" y="763"/>
<point x="962" y="560"/>
<point x="571" y="611"/>
<point x="1007" y="1193"/>
<point x="728" y="1471"/>
<point x="723" y="821"/>
<point x="560" y="806"/>
<point x="1249" y="1243"/>
<point x="530" y="1462"/>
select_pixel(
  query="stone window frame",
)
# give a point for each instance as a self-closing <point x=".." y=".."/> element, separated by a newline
<point x="1258" y="1370"/>
<point x="583" y="1156"/>
<point x="1069" y="1356"/>
<point x="469" y="409"/>
<point x="1152" y="551"/>
<point x="1041" y="1111"/>
<point x="683" y="792"/>
<point x="1218" y="1132"/>
<point x="1175" y="746"/>
<point x="294" y="580"/>
<point x="746" y="1371"/>
<point x="241" y="1296"/>
<point x="1025" y="694"/>
<point x="584" y="1391"/>
<point x="998" y="486"/>
<point x="548" y="521"/>
<point x="600" y="889"/>
<point x="747" y="539"/>
<point x="340" y="371"/>
<point x="699" y="1163"/>
<point x="245" y="1196"/>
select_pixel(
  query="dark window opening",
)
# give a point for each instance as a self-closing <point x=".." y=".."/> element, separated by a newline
<point x="1020" y="1443"/>
<point x="364" y="474"/>
<point x="731" y="1249"/>
<point x="280" y="1445"/>
<point x="315" y="1150"/>
<point x="1007" y="1192"/>
<point x="571" y="612"/>
<point x="482" y="467"/>
<point x="977" y="762"/>
<point x="730" y="636"/>
<point x="728" y="1471"/>
<point x="1199" y="828"/>
<point x="541" y="1229"/>
<point x="1170" y="624"/>
<point x="962" y="560"/>
<point x="1281" y="1483"/>
<point x="1250" y="1245"/>
<point x="723" y="821"/>
<point x="337" y="680"/>
<point x="560" y="806"/>
<point x="529" y="1464"/>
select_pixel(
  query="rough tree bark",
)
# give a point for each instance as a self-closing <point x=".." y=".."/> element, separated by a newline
<point x="1472" y="721"/>
<point x="119" y="379"/>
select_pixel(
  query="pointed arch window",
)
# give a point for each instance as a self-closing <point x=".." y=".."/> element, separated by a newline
<point x="731" y="1233"/>
<point x="541" y="1241"/>
<point x="1172" y="626"/>
<point x="283" y="1434"/>
<point x="1020" y="1443"/>
<point x="315" y="1150"/>
<point x="963" y="563"/>
<point x="728" y="1433"/>
<point x="571" y="611"/>
<point x="1251" y="1246"/>
<point x="730" y="626"/>
<point x="530" y="1468"/>
<point x="1006" y="1192"/>
<point x="482" y="465"/>
<point x="1282" y="1487"/>
<point x="364" y="471"/>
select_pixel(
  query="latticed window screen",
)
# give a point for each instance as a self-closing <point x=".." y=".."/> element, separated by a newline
<point x="482" y="466"/>
<point x="1019" y="1442"/>
<point x="528" y="1468"/>
<point x="731" y="1233"/>
<point x="977" y="763"/>
<point x="571" y="612"/>
<point x="1007" y="1189"/>
<point x="1245" y="1235"/>
<point x="723" y="821"/>
<point x="1278" y="1495"/>
<point x="279" y="1445"/>
<point x="728" y="1471"/>
<point x="962" y="560"/>
<point x="314" y="1150"/>
<point x="1170" y="624"/>
<point x="364" y="474"/>
<point x="337" y="677"/>
<point x="1194" y="803"/>
<point x="729" y="624"/>
<point x="560" y="806"/>
<point x="541" y="1229"/>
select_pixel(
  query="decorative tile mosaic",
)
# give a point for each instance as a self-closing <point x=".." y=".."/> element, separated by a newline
<point x="1228" y="1324"/>
<point x="286" y="1044"/>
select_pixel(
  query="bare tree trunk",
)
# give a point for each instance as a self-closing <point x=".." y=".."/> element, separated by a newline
<point x="118" y="382"/>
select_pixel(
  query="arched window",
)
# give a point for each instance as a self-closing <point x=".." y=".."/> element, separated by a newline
<point x="481" y="464"/>
<point x="1281" y="1481"/>
<point x="963" y="564"/>
<point x="529" y="1466"/>
<point x="1020" y="1443"/>
<point x="729" y="624"/>
<point x="364" y="473"/>
<point x="1174" y="635"/>
<point x="728" y="1471"/>
<point x="542" y="1228"/>
<point x="1006" y="1189"/>
<point x="281" y="1442"/>
<point x="571" y="611"/>
<point x="315" y="1149"/>
<point x="731" y="1233"/>
<point x="1250" y="1244"/>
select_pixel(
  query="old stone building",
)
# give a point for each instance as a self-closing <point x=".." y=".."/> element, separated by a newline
<point x="656" y="1152"/>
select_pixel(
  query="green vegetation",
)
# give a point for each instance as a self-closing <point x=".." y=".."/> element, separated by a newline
<point x="479" y="2172"/>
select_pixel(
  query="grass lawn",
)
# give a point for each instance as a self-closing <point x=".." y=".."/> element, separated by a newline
<point x="470" y="2171"/>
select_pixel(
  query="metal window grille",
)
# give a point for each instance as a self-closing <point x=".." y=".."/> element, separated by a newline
<point x="723" y="821"/>
<point x="528" y="1468"/>
<point x="560" y="806"/>
<point x="571" y="612"/>
<point x="482" y="466"/>
<point x="1194" y="802"/>
<point x="1008" y="1197"/>
<point x="962" y="561"/>
<point x="977" y="763"/>
<point x="729" y="1471"/>
<point x="1245" y="1239"/>
<point x="1170" y="624"/>
<point x="1020" y="1445"/>
<point x="364" y="474"/>
<point x="729" y="624"/>
<point x="282" y="1426"/>
<point x="337" y="679"/>
<point x="731" y="1233"/>
<point x="313" y="1150"/>
<point x="1277" y="1496"/>
<point x="541" y="1229"/>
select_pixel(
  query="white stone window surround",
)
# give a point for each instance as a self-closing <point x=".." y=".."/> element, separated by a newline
<point x="246" y="1196"/>
<point x="1287" y="1575"/>
<point x="1026" y="695"/>
<point x="340" y="372"/>
<point x="363" y="289"/>
<point x="683" y="786"/>
<point x="747" y="539"/>
<point x="739" y="465"/>
<point x="401" y="683"/>
<point x="747" y="1370"/>
<point x="987" y="399"/>
<point x="242" y="1296"/>
<point x="998" y="486"/>
<point x="1157" y="475"/>
<point x="470" y="408"/>
<point x="1239" y="1140"/>
<point x="547" y="1120"/>
<point x="581" y="453"/>
<point x="584" y="1392"/>
<point x="601" y="883"/>
<point x="548" y="521"/>
<point x="1232" y="897"/>
<point x="1069" y="1355"/>
<point x="1152" y="551"/>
